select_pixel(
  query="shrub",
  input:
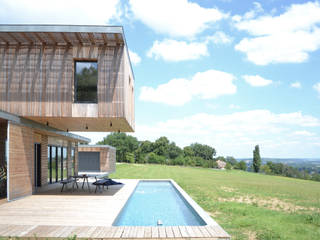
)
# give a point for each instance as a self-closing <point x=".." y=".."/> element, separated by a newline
<point x="130" y="157"/>
<point x="228" y="166"/>
<point x="190" y="161"/>
<point x="154" y="158"/>
<point x="199" y="161"/>
<point x="178" y="161"/>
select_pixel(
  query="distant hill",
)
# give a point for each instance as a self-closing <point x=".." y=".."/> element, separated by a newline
<point x="294" y="162"/>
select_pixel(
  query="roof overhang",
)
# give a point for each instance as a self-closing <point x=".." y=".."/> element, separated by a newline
<point x="42" y="128"/>
<point x="23" y="34"/>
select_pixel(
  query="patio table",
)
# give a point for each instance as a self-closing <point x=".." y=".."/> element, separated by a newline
<point x="85" y="178"/>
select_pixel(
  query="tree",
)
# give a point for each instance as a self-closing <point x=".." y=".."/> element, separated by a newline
<point x="188" y="151"/>
<point x="256" y="159"/>
<point x="204" y="151"/>
<point x="228" y="166"/>
<point x="161" y="146"/>
<point x="242" y="165"/>
<point x="174" y="151"/>
<point x="231" y="160"/>
<point x="266" y="169"/>
<point x="123" y="143"/>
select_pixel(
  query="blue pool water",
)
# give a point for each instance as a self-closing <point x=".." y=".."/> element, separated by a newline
<point x="154" y="201"/>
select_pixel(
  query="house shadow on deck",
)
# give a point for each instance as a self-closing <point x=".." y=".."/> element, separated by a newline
<point x="55" y="189"/>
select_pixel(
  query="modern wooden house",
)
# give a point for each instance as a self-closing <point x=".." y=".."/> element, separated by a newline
<point x="55" y="79"/>
<point x="97" y="158"/>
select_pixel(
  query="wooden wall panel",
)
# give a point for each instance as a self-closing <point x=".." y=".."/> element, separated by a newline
<point x="38" y="81"/>
<point x="44" y="160"/>
<point x="21" y="163"/>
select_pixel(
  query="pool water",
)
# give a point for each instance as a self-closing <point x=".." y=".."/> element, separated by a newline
<point x="157" y="203"/>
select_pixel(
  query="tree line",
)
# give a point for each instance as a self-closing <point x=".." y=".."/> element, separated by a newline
<point x="163" y="151"/>
<point x="280" y="169"/>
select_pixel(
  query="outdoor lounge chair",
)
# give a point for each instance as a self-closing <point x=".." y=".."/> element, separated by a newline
<point x="104" y="182"/>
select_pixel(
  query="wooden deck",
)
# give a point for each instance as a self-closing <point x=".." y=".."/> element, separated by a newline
<point x="181" y="232"/>
<point x="87" y="215"/>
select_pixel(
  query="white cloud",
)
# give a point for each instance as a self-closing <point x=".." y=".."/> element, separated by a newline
<point x="295" y="85"/>
<point x="59" y="11"/>
<point x="237" y="133"/>
<point x="134" y="57"/>
<point x="256" y="80"/>
<point x="234" y="106"/>
<point x="317" y="87"/>
<point x="176" y="18"/>
<point x="172" y="50"/>
<point x="204" y="85"/>
<point x="303" y="133"/>
<point x="220" y="38"/>
<point x="287" y="38"/>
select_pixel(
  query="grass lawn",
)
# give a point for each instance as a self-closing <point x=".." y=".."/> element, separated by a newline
<point x="246" y="205"/>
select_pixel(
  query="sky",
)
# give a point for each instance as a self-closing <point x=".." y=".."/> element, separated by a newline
<point x="226" y="73"/>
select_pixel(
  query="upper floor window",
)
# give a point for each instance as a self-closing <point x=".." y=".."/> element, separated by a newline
<point x="86" y="80"/>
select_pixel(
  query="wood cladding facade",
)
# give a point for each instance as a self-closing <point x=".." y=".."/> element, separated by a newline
<point x="21" y="164"/>
<point x="37" y="82"/>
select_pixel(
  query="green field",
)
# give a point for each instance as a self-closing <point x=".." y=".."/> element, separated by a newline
<point x="246" y="205"/>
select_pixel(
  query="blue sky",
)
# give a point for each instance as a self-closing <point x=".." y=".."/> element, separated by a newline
<point x="227" y="73"/>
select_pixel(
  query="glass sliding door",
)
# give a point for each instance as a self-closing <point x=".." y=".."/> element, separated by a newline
<point x="54" y="164"/>
<point x="64" y="163"/>
<point x="73" y="161"/>
<point x="59" y="163"/>
<point x="49" y="165"/>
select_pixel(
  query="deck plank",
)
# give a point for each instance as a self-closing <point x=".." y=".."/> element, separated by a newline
<point x="204" y="232"/>
<point x="40" y="231"/>
<point x="110" y="231"/>
<point x="118" y="233"/>
<point x="133" y="233"/>
<point x="66" y="232"/>
<point x="97" y="232"/>
<point x="154" y="232"/>
<point x="140" y="232"/>
<point x="190" y="231"/>
<point x="176" y="232"/>
<point x="169" y="232"/>
<point x="162" y="232"/>
<point x="211" y="231"/>
<point x="183" y="231"/>
<point x="125" y="232"/>
<point x="221" y="232"/>
<point x="147" y="232"/>
<point x="197" y="231"/>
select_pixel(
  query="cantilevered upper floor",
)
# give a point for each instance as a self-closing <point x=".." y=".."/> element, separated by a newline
<point x="76" y="78"/>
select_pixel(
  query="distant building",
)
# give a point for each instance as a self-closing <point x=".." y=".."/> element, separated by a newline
<point x="221" y="164"/>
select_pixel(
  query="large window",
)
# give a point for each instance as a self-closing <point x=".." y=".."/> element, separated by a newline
<point x="59" y="163"/>
<point x="64" y="163"/>
<point x="86" y="80"/>
<point x="52" y="164"/>
<point x="73" y="161"/>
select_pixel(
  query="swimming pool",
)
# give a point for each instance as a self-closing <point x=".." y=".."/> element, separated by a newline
<point x="158" y="203"/>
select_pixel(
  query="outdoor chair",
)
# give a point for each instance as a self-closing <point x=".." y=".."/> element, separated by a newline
<point x="69" y="180"/>
<point x="99" y="183"/>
